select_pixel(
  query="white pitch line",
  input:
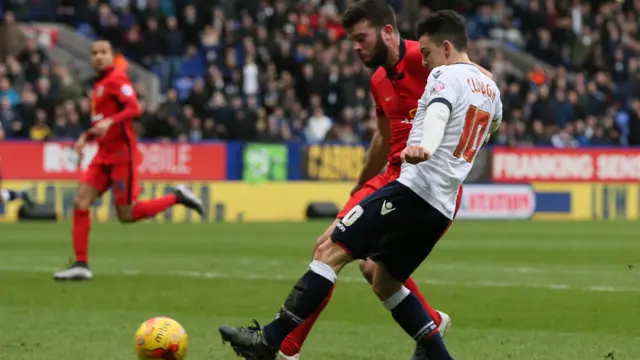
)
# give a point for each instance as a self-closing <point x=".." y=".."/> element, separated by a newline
<point x="427" y="267"/>
<point x="342" y="279"/>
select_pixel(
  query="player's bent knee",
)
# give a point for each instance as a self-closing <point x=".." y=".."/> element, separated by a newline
<point x="82" y="201"/>
<point x="321" y="240"/>
<point x="326" y="236"/>
<point x="125" y="214"/>
<point x="85" y="197"/>
<point x="368" y="267"/>
<point x="333" y="255"/>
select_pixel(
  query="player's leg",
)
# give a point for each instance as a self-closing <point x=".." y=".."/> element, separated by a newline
<point x="442" y="320"/>
<point x="309" y="292"/>
<point x="355" y="237"/>
<point x="419" y="227"/>
<point x="292" y="344"/>
<point x="410" y="314"/>
<point x="7" y="196"/>
<point x="367" y="267"/>
<point x="95" y="181"/>
<point x="126" y="189"/>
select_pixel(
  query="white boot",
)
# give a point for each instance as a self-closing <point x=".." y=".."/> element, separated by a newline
<point x="445" y="324"/>
<point x="281" y="356"/>
<point x="75" y="272"/>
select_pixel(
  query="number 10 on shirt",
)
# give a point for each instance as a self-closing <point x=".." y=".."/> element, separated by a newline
<point x="475" y="125"/>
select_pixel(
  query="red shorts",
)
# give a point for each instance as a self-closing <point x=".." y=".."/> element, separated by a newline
<point x="391" y="174"/>
<point x="122" y="178"/>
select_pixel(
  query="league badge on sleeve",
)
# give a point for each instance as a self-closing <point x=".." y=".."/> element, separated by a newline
<point x="437" y="88"/>
<point x="126" y="90"/>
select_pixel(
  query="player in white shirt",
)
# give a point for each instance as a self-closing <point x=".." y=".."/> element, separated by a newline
<point x="460" y="107"/>
<point x="398" y="225"/>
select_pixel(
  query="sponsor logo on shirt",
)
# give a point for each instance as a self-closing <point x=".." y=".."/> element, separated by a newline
<point x="412" y="114"/>
<point x="437" y="88"/>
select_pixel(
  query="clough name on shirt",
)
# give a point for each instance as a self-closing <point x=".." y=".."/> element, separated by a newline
<point x="479" y="86"/>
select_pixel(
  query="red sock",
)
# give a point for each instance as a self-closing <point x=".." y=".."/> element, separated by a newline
<point x="293" y="342"/>
<point x="81" y="228"/>
<point x="150" y="208"/>
<point x="413" y="287"/>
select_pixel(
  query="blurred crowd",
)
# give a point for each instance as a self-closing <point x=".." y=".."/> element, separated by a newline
<point x="283" y="70"/>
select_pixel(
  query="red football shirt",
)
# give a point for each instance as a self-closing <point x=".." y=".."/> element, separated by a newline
<point x="396" y="94"/>
<point x="114" y="98"/>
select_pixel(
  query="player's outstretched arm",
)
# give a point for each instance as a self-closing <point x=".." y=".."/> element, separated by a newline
<point x="123" y="91"/>
<point x="79" y="145"/>
<point x="377" y="154"/>
<point x="86" y="137"/>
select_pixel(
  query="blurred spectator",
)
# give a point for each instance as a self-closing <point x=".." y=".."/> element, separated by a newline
<point x="40" y="130"/>
<point x="173" y="48"/>
<point x="7" y="92"/>
<point x="31" y="57"/>
<point x="26" y="112"/>
<point x="250" y="73"/>
<point x="564" y="138"/>
<point x="8" y="115"/>
<point x="318" y="126"/>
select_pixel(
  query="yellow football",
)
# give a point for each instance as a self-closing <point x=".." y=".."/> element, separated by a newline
<point x="161" y="338"/>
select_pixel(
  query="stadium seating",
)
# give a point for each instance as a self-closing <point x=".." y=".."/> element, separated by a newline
<point x="289" y="68"/>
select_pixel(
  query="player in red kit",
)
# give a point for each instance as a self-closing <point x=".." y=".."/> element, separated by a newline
<point x="397" y="84"/>
<point x="114" y="107"/>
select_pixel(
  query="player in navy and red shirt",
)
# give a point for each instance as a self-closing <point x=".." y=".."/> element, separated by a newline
<point x="398" y="82"/>
<point x="114" y="107"/>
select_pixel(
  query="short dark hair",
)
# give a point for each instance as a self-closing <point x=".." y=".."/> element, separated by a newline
<point x="444" y="25"/>
<point x="101" y="39"/>
<point x="377" y="12"/>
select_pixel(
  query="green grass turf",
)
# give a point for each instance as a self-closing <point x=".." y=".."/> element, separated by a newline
<point x="515" y="290"/>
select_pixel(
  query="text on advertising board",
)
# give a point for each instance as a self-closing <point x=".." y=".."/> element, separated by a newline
<point x="497" y="202"/>
<point x="571" y="165"/>
<point x="57" y="160"/>
<point x="334" y="162"/>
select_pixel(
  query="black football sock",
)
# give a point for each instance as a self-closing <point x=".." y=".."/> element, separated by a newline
<point x="415" y="321"/>
<point x="305" y="297"/>
<point x="13" y="195"/>
<point x="9" y="195"/>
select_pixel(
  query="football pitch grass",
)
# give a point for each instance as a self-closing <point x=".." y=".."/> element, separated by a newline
<point x="515" y="290"/>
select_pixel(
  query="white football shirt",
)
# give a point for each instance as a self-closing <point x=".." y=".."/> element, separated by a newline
<point x="474" y="101"/>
